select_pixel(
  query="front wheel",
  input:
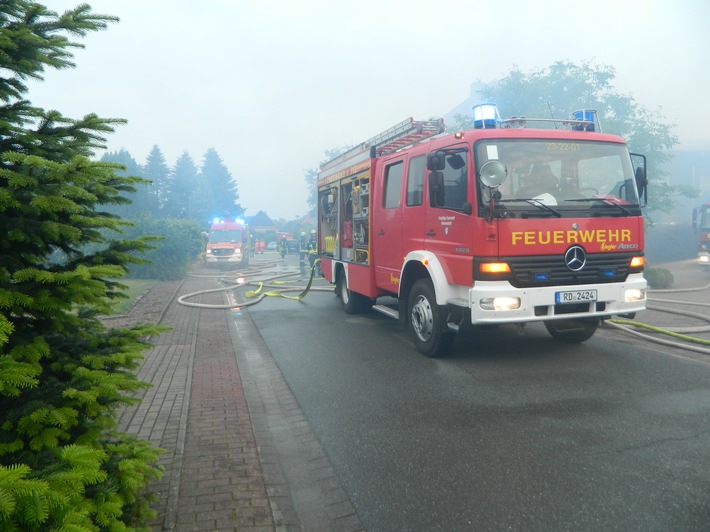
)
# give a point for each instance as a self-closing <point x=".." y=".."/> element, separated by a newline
<point x="426" y="321"/>
<point x="572" y="331"/>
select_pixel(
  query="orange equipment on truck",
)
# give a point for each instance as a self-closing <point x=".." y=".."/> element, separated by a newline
<point x="701" y="224"/>
<point x="228" y="243"/>
<point x="501" y="224"/>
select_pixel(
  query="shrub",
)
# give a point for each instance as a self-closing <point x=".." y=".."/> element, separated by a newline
<point x="658" y="278"/>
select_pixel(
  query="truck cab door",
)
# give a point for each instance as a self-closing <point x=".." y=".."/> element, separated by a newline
<point x="398" y="221"/>
<point x="387" y="225"/>
<point x="449" y="211"/>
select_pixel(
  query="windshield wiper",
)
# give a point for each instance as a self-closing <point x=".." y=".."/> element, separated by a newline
<point x="535" y="203"/>
<point x="604" y="201"/>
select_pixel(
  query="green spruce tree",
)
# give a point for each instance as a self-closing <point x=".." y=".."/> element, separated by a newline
<point x="63" y="375"/>
<point x="157" y="171"/>
<point x="184" y="181"/>
<point x="223" y="189"/>
<point x="142" y="200"/>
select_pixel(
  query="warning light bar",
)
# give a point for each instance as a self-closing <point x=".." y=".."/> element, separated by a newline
<point x="485" y="116"/>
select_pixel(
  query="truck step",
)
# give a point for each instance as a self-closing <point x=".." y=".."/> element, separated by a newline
<point x="387" y="311"/>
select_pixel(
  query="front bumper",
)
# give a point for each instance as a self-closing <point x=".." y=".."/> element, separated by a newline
<point x="218" y="259"/>
<point x="538" y="304"/>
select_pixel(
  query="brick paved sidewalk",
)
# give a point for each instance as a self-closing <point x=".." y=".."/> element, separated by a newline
<point x="239" y="453"/>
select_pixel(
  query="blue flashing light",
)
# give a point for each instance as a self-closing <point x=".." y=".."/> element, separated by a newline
<point x="585" y="115"/>
<point x="485" y="116"/>
<point x="541" y="276"/>
<point x="609" y="273"/>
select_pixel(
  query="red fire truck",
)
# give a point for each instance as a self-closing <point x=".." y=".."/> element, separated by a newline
<point x="501" y="224"/>
<point x="228" y="243"/>
<point x="701" y="224"/>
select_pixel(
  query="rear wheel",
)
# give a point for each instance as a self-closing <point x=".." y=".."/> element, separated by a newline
<point x="426" y="321"/>
<point x="572" y="331"/>
<point x="353" y="303"/>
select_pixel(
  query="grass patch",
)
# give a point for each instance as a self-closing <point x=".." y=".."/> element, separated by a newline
<point x="136" y="288"/>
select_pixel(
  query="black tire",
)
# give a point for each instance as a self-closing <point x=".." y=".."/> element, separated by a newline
<point x="572" y="331"/>
<point x="426" y="321"/>
<point x="353" y="303"/>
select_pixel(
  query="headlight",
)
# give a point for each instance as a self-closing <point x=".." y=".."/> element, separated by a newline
<point x="634" y="294"/>
<point x="500" y="303"/>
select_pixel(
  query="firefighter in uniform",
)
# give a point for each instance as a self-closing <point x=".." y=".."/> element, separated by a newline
<point x="313" y="251"/>
<point x="303" y="251"/>
<point x="283" y="246"/>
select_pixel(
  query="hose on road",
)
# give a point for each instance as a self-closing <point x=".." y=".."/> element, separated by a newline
<point x="256" y="296"/>
<point x="689" y="342"/>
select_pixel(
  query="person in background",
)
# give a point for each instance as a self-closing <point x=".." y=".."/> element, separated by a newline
<point x="303" y="251"/>
<point x="313" y="250"/>
<point x="283" y="246"/>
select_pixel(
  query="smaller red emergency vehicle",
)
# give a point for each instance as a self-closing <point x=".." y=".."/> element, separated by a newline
<point x="701" y="224"/>
<point x="228" y="243"/>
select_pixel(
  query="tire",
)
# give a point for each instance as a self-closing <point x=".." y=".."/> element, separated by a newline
<point x="426" y="321"/>
<point x="572" y="331"/>
<point x="353" y="303"/>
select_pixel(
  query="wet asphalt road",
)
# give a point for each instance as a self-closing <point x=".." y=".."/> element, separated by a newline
<point x="509" y="432"/>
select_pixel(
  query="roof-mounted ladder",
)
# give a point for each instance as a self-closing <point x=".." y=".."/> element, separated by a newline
<point x="407" y="132"/>
<point x="398" y="136"/>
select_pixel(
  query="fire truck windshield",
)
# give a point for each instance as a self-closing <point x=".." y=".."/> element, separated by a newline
<point x="228" y="235"/>
<point x="562" y="174"/>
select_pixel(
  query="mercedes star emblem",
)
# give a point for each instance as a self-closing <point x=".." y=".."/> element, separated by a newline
<point x="575" y="258"/>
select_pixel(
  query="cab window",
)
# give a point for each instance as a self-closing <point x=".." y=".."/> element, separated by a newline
<point x="415" y="181"/>
<point x="393" y="183"/>
<point x="450" y="185"/>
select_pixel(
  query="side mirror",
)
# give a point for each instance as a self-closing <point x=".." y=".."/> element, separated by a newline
<point x="642" y="183"/>
<point x="436" y="161"/>
<point x="694" y="224"/>
<point x="436" y="189"/>
<point x="456" y="161"/>
<point x="641" y="178"/>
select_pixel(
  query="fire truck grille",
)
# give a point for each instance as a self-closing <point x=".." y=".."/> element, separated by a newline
<point x="528" y="272"/>
<point x="222" y="252"/>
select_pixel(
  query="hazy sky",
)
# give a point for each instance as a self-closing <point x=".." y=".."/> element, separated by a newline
<point x="273" y="84"/>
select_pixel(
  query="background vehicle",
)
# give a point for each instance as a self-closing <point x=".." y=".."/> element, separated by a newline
<point x="701" y="224"/>
<point x="228" y="243"/>
<point x="271" y="246"/>
<point x="293" y="246"/>
<point x="503" y="223"/>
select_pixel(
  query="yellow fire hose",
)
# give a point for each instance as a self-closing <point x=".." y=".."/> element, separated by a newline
<point x="677" y="333"/>
<point x="256" y="295"/>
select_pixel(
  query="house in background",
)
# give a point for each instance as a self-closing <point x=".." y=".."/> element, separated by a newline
<point x="261" y="226"/>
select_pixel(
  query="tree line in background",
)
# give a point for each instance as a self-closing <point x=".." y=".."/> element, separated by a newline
<point x="175" y="202"/>
<point x="183" y="190"/>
